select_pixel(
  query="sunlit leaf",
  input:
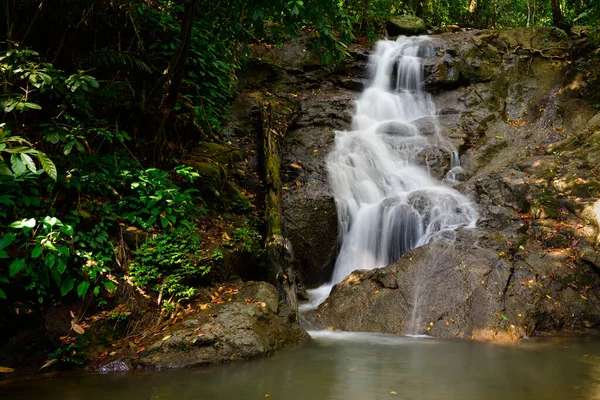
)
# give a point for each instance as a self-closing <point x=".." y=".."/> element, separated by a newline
<point x="48" y="165"/>
<point x="17" y="165"/>
<point x="28" y="161"/>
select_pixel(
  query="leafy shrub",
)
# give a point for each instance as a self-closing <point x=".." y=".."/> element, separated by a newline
<point x="169" y="262"/>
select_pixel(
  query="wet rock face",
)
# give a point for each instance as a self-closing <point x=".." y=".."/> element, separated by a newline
<point x="313" y="231"/>
<point x="323" y="97"/>
<point x="458" y="289"/>
<point x="253" y="325"/>
<point x="309" y="207"/>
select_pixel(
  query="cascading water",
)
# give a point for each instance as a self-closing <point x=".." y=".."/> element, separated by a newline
<point x="386" y="202"/>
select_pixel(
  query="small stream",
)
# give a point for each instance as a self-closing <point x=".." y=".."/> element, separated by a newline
<point x="356" y="366"/>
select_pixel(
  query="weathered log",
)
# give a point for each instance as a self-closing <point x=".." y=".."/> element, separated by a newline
<point x="277" y="245"/>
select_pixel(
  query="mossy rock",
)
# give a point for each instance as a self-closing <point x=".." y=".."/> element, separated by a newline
<point x="407" y="25"/>
<point x="217" y="152"/>
<point x="481" y="63"/>
<point x="446" y="29"/>
<point x="207" y="169"/>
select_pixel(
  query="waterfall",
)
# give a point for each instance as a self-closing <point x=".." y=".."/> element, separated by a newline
<point x="387" y="203"/>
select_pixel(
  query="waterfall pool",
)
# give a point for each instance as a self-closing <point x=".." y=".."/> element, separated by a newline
<point x="357" y="366"/>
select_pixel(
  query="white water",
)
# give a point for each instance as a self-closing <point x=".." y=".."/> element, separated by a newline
<point x="388" y="204"/>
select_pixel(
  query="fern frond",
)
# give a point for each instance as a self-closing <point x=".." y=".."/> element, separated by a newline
<point x="116" y="58"/>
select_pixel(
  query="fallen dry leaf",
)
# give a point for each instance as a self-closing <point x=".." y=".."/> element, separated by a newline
<point x="78" y="329"/>
<point x="49" y="363"/>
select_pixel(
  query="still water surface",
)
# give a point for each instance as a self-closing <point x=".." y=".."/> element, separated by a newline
<point x="356" y="366"/>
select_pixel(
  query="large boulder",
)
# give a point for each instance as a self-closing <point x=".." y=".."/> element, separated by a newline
<point x="254" y="324"/>
<point x="407" y="25"/>
<point x="460" y="290"/>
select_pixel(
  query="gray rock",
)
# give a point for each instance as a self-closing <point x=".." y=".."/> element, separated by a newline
<point x="458" y="289"/>
<point x="594" y="121"/>
<point x="245" y="328"/>
<point x="114" y="366"/>
<point x="261" y="292"/>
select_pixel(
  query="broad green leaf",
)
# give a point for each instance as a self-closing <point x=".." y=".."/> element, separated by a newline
<point x="7" y="199"/>
<point x="28" y="161"/>
<point x="109" y="286"/>
<point x="82" y="288"/>
<point x="17" y="165"/>
<point x="2" y="294"/>
<point x="67" y="229"/>
<point x="6" y="240"/>
<point x="47" y="165"/>
<point x="79" y="146"/>
<point x="64" y="251"/>
<point x="50" y="260"/>
<point x="68" y="147"/>
<point x="4" y="170"/>
<point x="24" y="223"/>
<point x="52" y="137"/>
<point x="20" y="149"/>
<point x="9" y="105"/>
<point x="62" y="266"/>
<point x="31" y="106"/>
<point x="37" y="251"/>
<point x="16" y="266"/>
<point x="52" y="221"/>
<point x="67" y="285"/>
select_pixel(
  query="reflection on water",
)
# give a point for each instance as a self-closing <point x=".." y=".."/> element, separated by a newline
<point x="357" y="366"/>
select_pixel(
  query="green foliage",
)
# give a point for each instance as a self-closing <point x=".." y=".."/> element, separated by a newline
<point x="143" y="197"/>
<point x="118" y="315"/>
<point x="169" y="262"/>
<point x="154" y="199"/>
<point x="70" y="354"/>
<point x="245" y="238"/>
<point x="504" y="14"/>
<point x="21" y="155"/>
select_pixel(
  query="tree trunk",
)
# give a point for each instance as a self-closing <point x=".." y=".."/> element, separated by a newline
<point x="278" y="247"/>
<point x="557" y="19"/>
<point x="173" y="75"/>
<point x="474" y="12"/>
<point x="473" y="6"/>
